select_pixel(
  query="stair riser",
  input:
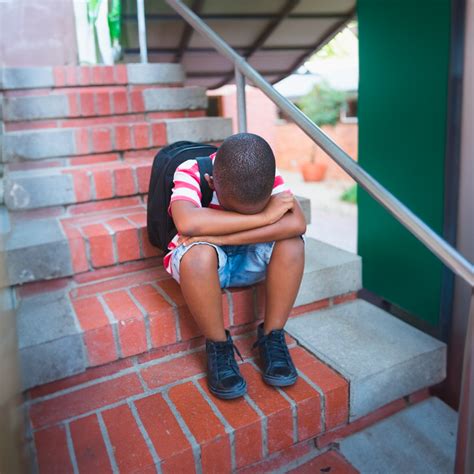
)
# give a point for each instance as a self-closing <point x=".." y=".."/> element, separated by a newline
<point x="52" y="143"/>
<point x="99" y="102"/>
<point x="79" y="76"/>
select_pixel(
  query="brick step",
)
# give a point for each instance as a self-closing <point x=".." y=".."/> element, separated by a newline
<point x="67" y="325"/>
<point x="69" y="142"/>
<point x="38" y="111"/>
<point x="52" y="243"/>
<point x="146" y="414"/>
<point x="47" y="78"/>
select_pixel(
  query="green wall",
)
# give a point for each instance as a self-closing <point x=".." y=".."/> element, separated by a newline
<point x="404" y="59"/>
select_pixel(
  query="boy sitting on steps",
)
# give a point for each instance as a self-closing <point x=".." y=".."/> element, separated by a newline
<point x="251" y="231"/>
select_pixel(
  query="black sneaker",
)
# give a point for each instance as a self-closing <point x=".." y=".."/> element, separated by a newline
<point x="278" y="368"/>
<point x="223" y="374"/>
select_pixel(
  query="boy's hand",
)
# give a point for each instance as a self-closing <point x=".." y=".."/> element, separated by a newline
<point x="278" y="206"/>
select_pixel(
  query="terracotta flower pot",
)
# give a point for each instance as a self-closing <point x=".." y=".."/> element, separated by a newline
<point x="314" y="171"/>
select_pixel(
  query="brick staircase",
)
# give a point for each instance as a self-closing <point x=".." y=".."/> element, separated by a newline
<point x="112" y="363"/>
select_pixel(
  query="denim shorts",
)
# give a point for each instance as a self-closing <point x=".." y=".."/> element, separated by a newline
<point x="239" y="265"/>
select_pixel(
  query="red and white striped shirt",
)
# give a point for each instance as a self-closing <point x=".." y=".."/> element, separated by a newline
<point x="187" y="187"/>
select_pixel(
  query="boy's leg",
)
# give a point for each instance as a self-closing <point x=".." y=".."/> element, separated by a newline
<point x="199" y="280"/>
<point x="284" y="274"/>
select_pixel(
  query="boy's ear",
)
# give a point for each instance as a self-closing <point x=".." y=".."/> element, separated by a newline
<point x="210" y="181"/>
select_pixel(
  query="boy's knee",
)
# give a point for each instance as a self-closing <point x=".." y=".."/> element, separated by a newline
<point x="292" y="248"/>
<point x="200" y="257"/>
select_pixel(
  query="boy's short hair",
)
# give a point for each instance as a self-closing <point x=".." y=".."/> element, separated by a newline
<point x="245" y="168"/>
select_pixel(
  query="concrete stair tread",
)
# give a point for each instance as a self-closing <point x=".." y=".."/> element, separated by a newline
<point x="128" y="309"/>
<point x="421" y="438"/>
<point x="156" y="409"/>
<point x="382" y="357"/>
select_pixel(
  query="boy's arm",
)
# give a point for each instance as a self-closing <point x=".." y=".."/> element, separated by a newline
<point x="191" y="220"/>
<point x="292" y="224"/>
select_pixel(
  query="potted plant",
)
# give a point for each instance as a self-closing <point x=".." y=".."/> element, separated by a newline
<point x="322" y="105"/>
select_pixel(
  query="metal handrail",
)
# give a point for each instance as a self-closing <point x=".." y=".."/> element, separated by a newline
<point x="442" y="249"/>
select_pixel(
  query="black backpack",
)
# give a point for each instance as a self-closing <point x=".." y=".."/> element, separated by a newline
<point x="160" y="225"/>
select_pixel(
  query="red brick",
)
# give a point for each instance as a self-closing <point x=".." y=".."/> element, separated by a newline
<point x="173" y="290"/>
<point x="163" y="328"/>
<point x="123" y="139"/>
<point x="82" y="141"/>
<point x="100" y="346"/>
<point x="130" y="450"/>
<point x="196" y="113"/>
<point x="101" y="140"/>
<point x="120" y="103"/>
<point x="71" y="77"/>
<point x="84" y="400"/>
<point x="306" y="308"/>
<point x="158" y="134"/>
<point x="143" y="178"/>
<point x="90" y="313"/>
<point x="275" y="408"/>
<point x="344" y="298"/>
<point x="150" y="299"/>
<point x="334" y="387"/>
<point x="169" y="441"/>
<point x="148" y="249"/>
<point x="419" y="396"/>
<point x="171" y="371"/>
<point x="93" y="159"/>
<point x="131" y="325"/>
<point x="82" y="185"/>
<point x="73" y="105"/>
<point x="308" y="408"/>
<point x="101" y="245"/>
<point x="85" y="75"/>
<point x="108" y="75"/>
<point x="103" y="103"/>
<point x="124" y="182"/>
<point x="126" y="239"/>
<point x="52" y="451"/>
<point x="243" y="304"/>
<point x="208" y="431"/>
<point x="246" y="422"/>
<point x="330" y="461"/>
<point x="140" y="134"/>
<point x="76" y="380"/>
<point x="361" y="423"/>
<point x="97" y="75"/>
<point x="59" y="76"/>
<point x="121" y="74"/>
<point x="103" y="184"/>
<point x="136" y="99"/>
<point x="86" y="99"/>
<point x="89" y="446"/>
<point x="78" y="249"/>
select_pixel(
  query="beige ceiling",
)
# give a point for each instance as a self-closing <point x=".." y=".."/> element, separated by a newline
<point x="276" y="35"/>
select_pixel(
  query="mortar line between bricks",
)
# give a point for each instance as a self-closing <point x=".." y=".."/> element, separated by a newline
<point x="228" y="428"/>
<point x="146" y="318"/>
<point x="321" y="396"/>
<point x="70" y="448"/>
<point x="146" y="437"/>
<point x="92" y="186"/>
<point x="108" y="445"/>
<point x="113" y="235"/>
<point x="174" y="307"/>
<point x="230" y="303"/>
<point x="263" y="422"/>
<point x="184" y="427"/>
<point x="293" y="404"/>
<point x="87" y="246"/>
<point x="113" y="324"/>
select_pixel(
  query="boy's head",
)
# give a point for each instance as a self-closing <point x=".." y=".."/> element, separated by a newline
<point x="244" y="173"/>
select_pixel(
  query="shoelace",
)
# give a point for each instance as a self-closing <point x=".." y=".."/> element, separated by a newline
<point x="225" y="359"/>
<point x="276" y="346"/>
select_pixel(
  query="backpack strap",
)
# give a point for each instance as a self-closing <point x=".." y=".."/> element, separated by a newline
<point x="205" y="167"/>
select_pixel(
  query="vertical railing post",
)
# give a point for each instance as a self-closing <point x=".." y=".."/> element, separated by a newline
<point x="465" y="438"/>
<point x="142" y="31"/>
<point x="241" y="108"/>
